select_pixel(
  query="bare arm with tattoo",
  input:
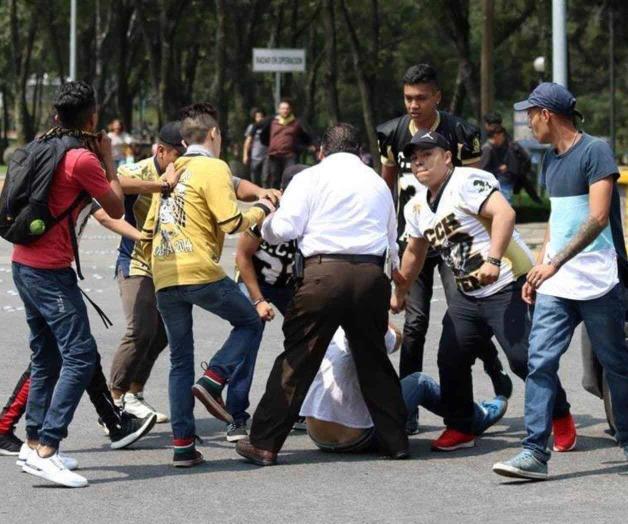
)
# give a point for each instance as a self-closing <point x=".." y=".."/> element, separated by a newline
<point x="599" y="210"/>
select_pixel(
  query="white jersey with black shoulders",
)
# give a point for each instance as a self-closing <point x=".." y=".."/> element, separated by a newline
<point x="454" y="228"/>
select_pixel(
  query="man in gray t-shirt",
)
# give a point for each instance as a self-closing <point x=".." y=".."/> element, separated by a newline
<point x="575" y="279"/>
<point x="254" y="151"/>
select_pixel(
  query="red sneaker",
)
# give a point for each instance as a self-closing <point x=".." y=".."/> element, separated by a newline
<point x="452" y="439"/>
<point x="564" y="430"/>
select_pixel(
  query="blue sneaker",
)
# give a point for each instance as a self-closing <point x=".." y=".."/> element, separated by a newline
<point x="492" y="411"/>
<point x="524" y="466"/>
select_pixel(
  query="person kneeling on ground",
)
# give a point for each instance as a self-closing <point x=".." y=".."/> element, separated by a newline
<point x="336" y="414"/>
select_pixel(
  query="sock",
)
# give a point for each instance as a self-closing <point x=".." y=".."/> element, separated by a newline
<point x="183" y="447"/>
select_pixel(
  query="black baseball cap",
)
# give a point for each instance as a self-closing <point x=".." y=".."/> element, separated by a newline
<point x="170" y="134"/>
<point x="424" y="139"/>
<point x="551" y="96"/>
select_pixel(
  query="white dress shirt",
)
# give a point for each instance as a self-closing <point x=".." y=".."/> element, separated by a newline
<point x="340" y="206"/>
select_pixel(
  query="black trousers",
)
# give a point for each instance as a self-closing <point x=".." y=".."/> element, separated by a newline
<point x="354" y="296"/>
<point x="275" y="166"/>
<point x="418" y="319"/>
<point x="467" y="323"/>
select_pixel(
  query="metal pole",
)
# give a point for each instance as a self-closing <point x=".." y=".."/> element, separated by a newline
<point x="559" y="42"/>
<point x="73" y="40"/>
<point x="611" y="60"/>
<point x="277" y="89"/>
<point x="488" y="8"/>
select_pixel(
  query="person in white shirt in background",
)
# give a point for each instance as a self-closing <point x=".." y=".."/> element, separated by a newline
<point x="342" y="216"/>
<point x="120" y="141"/>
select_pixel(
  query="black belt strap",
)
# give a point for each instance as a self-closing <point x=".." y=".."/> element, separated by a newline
<point x="355" y="259"/>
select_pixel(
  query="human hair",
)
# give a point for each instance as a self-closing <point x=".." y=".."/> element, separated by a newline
<point x="75" y="103"/>
<point x="288" y="101"/>
<point x="420" y="74"/>
<point x="340" y="138"/>
<point x="256" y="110"/>
<point x="493" y="118"/>
<point x="196" y="122"/>
<point x="496" y="129"/>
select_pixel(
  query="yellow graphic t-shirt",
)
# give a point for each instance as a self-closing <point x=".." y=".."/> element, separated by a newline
<point x="184" y="233"/>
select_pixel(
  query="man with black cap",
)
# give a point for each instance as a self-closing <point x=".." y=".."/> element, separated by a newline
<point x="145" y="336"/>
<point x="463" y="216"/>
<point x="576" y="277"/>
<point x="422" y="95"/>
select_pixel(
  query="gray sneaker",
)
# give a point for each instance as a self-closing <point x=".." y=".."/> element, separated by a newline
<point x="524" y="466"/>
<point x="236" y="431"/>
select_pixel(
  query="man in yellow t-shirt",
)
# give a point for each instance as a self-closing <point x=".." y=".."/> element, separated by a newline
<point x="185" y="230"/>
<point x="145" y="336"/>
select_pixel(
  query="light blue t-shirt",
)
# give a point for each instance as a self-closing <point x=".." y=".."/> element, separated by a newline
<point x="567" y="177"/>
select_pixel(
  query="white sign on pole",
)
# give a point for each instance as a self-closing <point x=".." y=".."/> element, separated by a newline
<point x="278" y="60"/>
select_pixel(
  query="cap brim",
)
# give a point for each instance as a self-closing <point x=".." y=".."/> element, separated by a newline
<point x="409" y="149"/>
<point x="523" y="105"/>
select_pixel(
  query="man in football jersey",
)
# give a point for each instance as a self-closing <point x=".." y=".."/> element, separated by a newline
<point x="421" y="97"/>
<point x="468" y="222"/>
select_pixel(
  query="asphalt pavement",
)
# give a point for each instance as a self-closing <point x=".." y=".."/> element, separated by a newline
<point x="138" y="485"/>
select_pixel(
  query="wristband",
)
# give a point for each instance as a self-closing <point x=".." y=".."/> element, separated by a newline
<point x="259" y="301"/>
<point x="267" y="211"/>
<point x="494" y="261"/>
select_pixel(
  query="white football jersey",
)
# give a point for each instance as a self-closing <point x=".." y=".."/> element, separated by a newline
<point x="454" y="228"/>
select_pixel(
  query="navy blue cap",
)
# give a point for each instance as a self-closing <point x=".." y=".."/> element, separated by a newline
<point x="551" y="96"/>
<point x="425" y="139"/>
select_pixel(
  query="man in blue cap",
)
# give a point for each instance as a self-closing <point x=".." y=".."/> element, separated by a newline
<point x="576" y="276"/>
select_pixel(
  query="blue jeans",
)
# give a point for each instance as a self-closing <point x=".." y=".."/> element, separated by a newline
<point x="242" y="379"/>
<point x="553" y="325"/>
<point x="419" y="389"/>
<point x="223" y="298"/>
<point x="64" y="353"/>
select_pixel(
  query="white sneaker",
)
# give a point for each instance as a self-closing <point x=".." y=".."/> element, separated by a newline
<point x="25" y="452"/>
<point x="134" y="404"/>
<point x="53" y="469"/>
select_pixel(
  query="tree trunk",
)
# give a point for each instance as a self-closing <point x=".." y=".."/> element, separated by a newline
<point x="331" y="72"/>
<point x="218" y="89"/>
<point x="21" y="55"/>
<point x="363" y="85"/>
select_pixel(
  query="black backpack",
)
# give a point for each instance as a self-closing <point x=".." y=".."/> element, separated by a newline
<point x="24" y="213"/>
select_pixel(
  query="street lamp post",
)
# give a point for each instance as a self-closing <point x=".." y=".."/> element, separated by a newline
<point x="72" y="39"/>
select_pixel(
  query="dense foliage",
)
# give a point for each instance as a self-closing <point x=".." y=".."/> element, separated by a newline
<point x="146" y="58"/>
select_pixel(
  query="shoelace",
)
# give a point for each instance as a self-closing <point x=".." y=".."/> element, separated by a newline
<point x="204" y="365"/>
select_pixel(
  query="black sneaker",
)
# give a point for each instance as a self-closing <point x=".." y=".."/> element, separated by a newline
<point x="187" y="459"/>
<point x="501" y="383"/>
<point x="130" y="430"/>
<point x="236" y="431"/>
<point x="10" y="444"/>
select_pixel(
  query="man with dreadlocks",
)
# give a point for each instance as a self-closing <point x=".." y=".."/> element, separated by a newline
<point x="64" y="353"/>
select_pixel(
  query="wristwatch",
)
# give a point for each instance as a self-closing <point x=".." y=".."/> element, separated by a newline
<point x="494" y="261"/>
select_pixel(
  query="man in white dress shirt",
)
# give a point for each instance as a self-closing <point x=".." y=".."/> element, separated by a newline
<point x="342" y="215"/>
